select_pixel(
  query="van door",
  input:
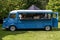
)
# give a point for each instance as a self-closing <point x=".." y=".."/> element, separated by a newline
<point x="55" y="19"/>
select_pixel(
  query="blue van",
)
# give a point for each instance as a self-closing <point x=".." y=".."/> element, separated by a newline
<point x="31" y="19"/>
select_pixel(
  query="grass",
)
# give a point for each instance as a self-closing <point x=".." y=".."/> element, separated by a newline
<point x="30" y="35"/>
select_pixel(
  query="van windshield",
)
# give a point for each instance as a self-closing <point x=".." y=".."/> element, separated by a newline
<point x="12" y="15"/>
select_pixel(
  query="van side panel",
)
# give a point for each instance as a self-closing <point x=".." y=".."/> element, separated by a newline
<point x="24" y="24"/>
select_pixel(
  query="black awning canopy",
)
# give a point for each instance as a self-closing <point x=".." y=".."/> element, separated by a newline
<point x="33" y="7"/>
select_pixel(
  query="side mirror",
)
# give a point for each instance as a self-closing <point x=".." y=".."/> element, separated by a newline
<point x="4" y="18"/>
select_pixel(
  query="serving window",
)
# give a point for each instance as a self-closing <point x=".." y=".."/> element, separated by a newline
<point x="34" y="16"/>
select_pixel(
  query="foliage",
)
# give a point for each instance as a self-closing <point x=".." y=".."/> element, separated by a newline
<point x="54" y="5"/>
<point x="8" y="5"/>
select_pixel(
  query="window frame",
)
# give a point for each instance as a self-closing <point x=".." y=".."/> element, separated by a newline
<point x="35" y="13"/>
<point x="12" y="14"/>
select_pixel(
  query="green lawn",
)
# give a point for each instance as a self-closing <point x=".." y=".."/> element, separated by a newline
<point x="30" y="35"/>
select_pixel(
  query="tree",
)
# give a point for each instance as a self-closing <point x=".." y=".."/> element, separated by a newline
<point x="8" y="5"/>
<point x="54" y="5"/>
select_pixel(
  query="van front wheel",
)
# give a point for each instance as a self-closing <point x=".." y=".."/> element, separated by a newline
<point x="48" y="28"/>
<point x="12" y="28"/>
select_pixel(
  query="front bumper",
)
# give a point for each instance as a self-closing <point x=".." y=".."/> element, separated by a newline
<point x="3" y="28"/>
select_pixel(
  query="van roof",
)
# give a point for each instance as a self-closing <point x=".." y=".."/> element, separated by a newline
<point x="29" y="11"/>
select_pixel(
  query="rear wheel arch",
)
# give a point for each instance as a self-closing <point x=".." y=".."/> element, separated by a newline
<point x="48" y="26"/>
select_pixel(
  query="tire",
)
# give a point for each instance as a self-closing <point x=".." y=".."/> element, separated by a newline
<point x="12" y="28"/>
<point x="48" y="28"/>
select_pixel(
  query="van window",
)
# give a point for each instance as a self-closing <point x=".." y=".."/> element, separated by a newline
<point x="12" y="15"/>
<point x="54" y="15"/>
<point x="35" y="16"/>
<point x="25" y="16"/>
<point x="49" y="16"/>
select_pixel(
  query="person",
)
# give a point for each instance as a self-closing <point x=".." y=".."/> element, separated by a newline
<point x="20" y="16"/>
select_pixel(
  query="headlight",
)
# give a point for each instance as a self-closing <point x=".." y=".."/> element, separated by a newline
<point x="4" y="21"/>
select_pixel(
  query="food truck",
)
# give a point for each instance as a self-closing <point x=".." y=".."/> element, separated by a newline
<point x="31" y="19"/>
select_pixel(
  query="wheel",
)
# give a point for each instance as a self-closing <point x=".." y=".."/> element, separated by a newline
<point x="48" y="28"/>
<point x="12" y="28"/>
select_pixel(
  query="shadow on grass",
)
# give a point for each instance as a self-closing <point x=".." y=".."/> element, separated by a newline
<point x="58" y="29"/>
<point x="54" y="29"/>
<point x="6" y="33"/>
